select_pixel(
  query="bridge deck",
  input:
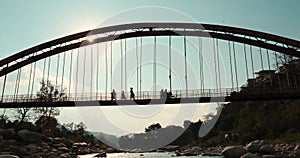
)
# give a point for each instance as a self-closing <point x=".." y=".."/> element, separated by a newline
<point x="237" y="97"/>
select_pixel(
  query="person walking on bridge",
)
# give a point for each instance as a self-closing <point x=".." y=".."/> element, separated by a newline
<point x="131" y="93"/>
<point x="123" y="97"/>
<point x="113" y="95"/>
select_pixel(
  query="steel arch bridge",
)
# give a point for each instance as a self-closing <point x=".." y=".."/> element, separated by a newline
<point x="281" y="83"/>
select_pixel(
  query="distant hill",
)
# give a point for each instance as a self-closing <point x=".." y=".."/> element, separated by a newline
<point x="108" y="139"/>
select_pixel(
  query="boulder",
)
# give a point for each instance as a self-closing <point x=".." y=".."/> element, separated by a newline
<point x="171" y="147"/>
<point x="84" y="151"/>
<point x="59" y="145"/>
<point x="6" y="143"/>
<point x="57" y="140"/>
<point x="233" y="151"/>
<point x="49" y="140"/>
<point x="112" y="150"/>
<point x="211" y="154"/>
<point x="273" y="156"/>
<point x="31" y="137"/>
<point x="297" y="147"/>
<point x="68" y="143"/>
<point x="81" y="144"/>
<point x="103" y="154"/>
<point x="254" y="146"/>
<point x="266" y="149"/>
<point x="249" y="155"/>
<point x="7" y="133"/>
<point x="9" y="156"/>
<point x="31" y="146"/>
<point x="188" y="153"/>
<point x="297" y="153"/>
<point x="196" y="149"/>
<point x="64" y="155"/>
<point x="30" y="149"/>
<point x="63" y="149"/>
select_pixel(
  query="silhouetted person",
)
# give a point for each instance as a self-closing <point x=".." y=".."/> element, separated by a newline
<point x="161" y="93"/>
<point x="165" y="94"/>
<point x="113" y="95"/>
<point x="131" y="93"/>
<point x="169" y="95"/>
<point x="123" y="97"/>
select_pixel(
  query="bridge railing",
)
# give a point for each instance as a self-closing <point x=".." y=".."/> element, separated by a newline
<point x="194" y="93"/>
<point x="232" y="92"/>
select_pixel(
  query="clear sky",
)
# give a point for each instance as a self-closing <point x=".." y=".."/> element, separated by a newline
<point x="27" y="23"/>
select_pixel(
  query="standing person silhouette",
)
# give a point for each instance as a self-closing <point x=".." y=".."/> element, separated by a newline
<point x="161" y="93"/>
<point x="131" y="93"/>
<point x="165" y="94"/>
<point x="123" y="97"/>
<point x="113" y="95"/>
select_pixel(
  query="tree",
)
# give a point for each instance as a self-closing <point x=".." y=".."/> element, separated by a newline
<point x="3" y="120"/>
<point x="69" y="126"/>
<point x="75" y="127"/>
<point x="284" y="59"/>
<point x="153" y="127"/>
<point x="23" y="114"/>
<point x="48" y="93"/>
<point x="46" y="125"/>
<point x="80" y="128"/>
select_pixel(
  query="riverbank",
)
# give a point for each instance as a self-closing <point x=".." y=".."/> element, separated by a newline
<point x="28" y="144"/>
<point x="255" y="149"/>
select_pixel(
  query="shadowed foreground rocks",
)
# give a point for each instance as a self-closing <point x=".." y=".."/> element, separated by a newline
<point x="28" y="144"/>
<point x="259" y="149"/>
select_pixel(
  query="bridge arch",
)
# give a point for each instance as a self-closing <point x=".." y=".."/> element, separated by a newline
<point x="255" y="38"/>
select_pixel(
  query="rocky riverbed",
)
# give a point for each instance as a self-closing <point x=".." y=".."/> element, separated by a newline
<point x="28" y="144"/>
<point x="259" y="148"/>
<point x="254" y="149"/>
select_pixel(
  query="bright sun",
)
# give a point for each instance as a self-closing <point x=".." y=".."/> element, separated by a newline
<point x="91" y="39"/>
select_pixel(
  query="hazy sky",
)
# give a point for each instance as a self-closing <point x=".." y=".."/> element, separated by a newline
<point x="27" y="23"/>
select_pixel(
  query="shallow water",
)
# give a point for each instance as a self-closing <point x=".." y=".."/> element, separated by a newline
<point x="146" y="155"/>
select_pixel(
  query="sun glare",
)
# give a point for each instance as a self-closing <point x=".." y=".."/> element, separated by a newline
<point x="91" y="39"/>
